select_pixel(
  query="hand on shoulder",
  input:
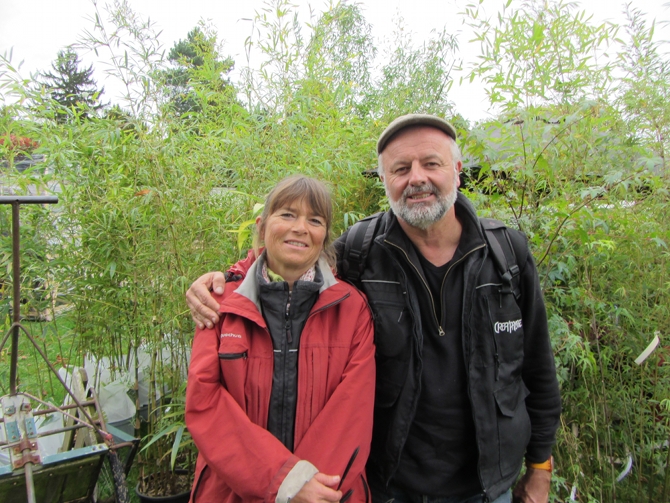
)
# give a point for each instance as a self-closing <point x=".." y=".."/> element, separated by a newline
<point x="204" y="308"/>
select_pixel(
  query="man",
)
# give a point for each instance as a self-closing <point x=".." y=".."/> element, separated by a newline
<point x="466" y="384"/>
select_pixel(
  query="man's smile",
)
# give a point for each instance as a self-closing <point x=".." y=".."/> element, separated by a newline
<point x="419" y="197"/>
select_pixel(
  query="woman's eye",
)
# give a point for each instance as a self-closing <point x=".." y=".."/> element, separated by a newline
<point x="317" y="221"/>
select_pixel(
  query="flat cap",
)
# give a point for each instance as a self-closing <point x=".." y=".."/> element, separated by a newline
<point x="405" y="121"/>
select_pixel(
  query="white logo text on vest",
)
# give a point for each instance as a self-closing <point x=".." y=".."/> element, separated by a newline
<point x="507" y="326"/>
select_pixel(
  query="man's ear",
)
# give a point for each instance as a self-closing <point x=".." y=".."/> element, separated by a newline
<point x="386" y="189"/>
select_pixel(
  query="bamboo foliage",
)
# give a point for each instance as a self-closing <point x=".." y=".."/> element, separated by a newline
<point x="575" y="157"/>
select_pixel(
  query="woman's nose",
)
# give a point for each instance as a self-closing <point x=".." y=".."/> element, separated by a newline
<point x="300" y="225"/>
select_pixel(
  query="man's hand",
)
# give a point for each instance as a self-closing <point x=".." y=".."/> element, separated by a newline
<point x="320" y="489"/>
<point x="204" y="309"/>
<point x="533" y="487"/>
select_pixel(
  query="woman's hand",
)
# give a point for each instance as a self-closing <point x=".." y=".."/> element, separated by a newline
<point x="204" y="309"/>
<point x="321" y="488"/>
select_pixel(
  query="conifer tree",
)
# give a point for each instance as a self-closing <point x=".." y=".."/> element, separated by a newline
<point x="72" y="86"/>
<point x="196" y="58"/>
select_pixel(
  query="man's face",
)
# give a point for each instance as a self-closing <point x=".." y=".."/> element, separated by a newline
<point x="420" y="178"/>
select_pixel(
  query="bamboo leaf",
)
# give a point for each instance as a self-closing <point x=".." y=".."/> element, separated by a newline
<point x="176" y="445"/>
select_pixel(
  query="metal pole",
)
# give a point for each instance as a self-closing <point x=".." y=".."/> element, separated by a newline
<point x="15" y="201"/>
<point x="29" y="199"/>
<point x="16" y="273"/>
<point x="30" y="486"/>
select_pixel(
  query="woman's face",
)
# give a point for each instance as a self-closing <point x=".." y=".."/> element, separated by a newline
<point x="294" y="237"/>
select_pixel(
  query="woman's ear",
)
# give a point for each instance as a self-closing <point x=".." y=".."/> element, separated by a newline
<point x="260" y="229"/>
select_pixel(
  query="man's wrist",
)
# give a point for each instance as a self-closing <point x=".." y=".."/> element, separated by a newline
<point x="547" y="465"/>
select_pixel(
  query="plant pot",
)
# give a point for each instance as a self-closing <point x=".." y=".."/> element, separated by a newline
<point x="175" y="498"/>
<point x="182" y="497"/>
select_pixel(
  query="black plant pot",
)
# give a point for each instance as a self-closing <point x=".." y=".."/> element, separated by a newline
<point x="173" y="498"/>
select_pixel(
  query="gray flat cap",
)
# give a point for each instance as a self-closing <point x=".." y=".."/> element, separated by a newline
<point x="405" y="121"/>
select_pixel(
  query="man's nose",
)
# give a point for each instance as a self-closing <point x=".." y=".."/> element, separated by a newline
<point x="417" y="175"/>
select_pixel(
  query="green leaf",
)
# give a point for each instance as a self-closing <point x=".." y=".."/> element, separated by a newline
<point x="542" y="163"/>
<point x="175" y="446"/>
<point x="163" y="433"/>
<point x="660" y="243"/>
<point x="538" y="33"/>
<point x="258" y="209"/>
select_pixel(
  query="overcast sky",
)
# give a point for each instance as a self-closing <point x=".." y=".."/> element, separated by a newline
<point x="35" y="30"/>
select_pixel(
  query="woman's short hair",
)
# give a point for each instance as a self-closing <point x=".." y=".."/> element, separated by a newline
<point x="300" y="188"/>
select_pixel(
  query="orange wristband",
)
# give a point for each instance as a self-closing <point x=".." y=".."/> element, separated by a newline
<point x="548" y="465"/>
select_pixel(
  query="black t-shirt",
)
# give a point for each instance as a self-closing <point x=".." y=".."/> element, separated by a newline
<point x="440" y="455"/>
<point x="434" y="276"/>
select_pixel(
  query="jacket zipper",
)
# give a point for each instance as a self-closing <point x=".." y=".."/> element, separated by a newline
<point x="284" y="355"/>
<point x="335" y="302"/>
<point x="441" y="331"/>
<point x="232" y="356"/>
<point x="287" y="322"/>
<point x="451" y="267"/>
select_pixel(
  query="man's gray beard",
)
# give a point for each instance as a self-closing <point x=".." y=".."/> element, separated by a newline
<point x="423" y="215"/>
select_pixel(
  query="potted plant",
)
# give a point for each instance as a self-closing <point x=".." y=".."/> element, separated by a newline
<point x="166" y="471"/>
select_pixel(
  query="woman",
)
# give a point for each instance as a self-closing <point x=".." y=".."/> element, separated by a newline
<point x="281" y="391"/>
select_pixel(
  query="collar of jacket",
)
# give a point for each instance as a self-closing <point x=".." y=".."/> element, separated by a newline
<point x="249" y="290"/>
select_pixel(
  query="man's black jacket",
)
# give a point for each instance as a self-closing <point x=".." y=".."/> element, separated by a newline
<point x="511" y="374"/>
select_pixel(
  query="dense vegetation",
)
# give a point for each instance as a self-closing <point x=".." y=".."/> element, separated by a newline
<point x="161" y="188"/>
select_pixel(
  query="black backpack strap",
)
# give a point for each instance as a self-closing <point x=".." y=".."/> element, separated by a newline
<point x="357" y="246"/>
<point x="503" y="253"/>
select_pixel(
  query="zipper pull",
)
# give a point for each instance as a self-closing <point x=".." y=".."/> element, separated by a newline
<point x="289" y="339"/>
<point x="440" y="331"/>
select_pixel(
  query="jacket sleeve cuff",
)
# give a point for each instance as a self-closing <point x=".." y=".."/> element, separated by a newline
<point x="538" y="454"/>
<point x="300" y="474"/>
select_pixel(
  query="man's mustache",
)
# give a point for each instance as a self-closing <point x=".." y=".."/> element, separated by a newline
<point x="427" y="187"/>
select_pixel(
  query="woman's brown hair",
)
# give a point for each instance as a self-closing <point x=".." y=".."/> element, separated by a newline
<point x="300" y="188"/>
